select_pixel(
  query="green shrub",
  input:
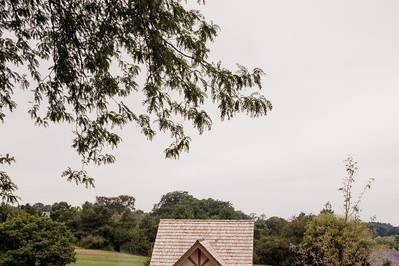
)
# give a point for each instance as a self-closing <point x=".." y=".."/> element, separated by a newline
<point x="31" y="240"/>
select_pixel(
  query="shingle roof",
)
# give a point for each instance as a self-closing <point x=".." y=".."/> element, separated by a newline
<point x="207" y="245"/>
<point x="232" y="240"/>
<point x="380" y="256"/>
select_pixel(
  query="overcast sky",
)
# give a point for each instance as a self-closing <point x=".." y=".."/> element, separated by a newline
<point x="332" y="76"/>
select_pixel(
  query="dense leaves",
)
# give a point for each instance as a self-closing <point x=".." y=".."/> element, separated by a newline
<point x="65" y="213"/>
<point x="111" y="223"/>
<point x="7" y="210"/>
<point x="121" y="227"/>
<point x="332" y="240"/>
<point x="384" y="229"/>
<point x="119" y="203"/>
<point x="276" y="239"/>
<point x="181" y="205"/>
<point x="391" y="241"/>
<point x="31" y="240"/>
<point x="115" y="62"/>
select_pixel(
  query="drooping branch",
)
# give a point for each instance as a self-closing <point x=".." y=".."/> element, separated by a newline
<point x="98" y="49"/>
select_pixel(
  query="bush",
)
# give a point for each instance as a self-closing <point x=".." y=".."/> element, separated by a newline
<point x="30" y="240"/>
<point x="332" y="240"/>
<point x="389" y="241"/>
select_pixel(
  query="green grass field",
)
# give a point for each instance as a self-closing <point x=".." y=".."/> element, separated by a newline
<point x="87" y="257"/>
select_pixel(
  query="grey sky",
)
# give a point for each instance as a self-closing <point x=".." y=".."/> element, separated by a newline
<point x="332" y="76"/>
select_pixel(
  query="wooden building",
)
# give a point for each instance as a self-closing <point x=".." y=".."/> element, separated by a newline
<point x="203" y="243"/>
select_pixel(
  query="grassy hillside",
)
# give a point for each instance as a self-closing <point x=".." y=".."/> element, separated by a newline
<point x="87" y="257"/>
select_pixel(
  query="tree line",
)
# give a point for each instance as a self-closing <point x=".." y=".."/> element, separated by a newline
<point x="114" y="223"/>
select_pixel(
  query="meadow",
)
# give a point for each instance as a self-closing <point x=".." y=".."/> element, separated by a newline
<point x="91" y="257"/>
<point x="88" y="257"/>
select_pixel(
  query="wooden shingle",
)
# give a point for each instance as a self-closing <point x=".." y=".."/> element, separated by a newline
<point x="231" y="240"/>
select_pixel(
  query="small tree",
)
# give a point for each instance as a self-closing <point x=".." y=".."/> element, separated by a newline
<point x="333" y="240"/>
<point x="30" y="240"/>
<point x="351" y="208"/>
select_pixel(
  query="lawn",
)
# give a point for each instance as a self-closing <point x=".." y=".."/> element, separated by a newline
<point x="88" y="257"/>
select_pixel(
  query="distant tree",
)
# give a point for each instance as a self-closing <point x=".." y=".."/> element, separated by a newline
<point x="227" y="213"/>
<point x="274" y="250"/>
<point x="121" y="224"/>
<point x="7" y="210"/>
<point x="143" y="236"/>
<point x="170" y="201"/>
<point x="180" y="204"/>
<point x="276" y="239"/>
<point x="107" y="223"/>
<point x="118" y="204"/>
<point x="384" y="229"/>
<point x="389" y="241"/>
<point x="296" y="228"/>
<point x="274" y="225"/>
<point x="95" y="223"/>
<point x="42" y="208"/>
<point x="38" y="209"/>
<point x="31" y="209"/>
<point x="68" y="48"/>
<point x="65" y="213"/>
<point x="31" y="240"/>
<point x="214" y="209"/>
<point x="335" y="241"/>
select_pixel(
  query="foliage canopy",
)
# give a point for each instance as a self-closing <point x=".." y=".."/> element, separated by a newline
<point x="333" y="240"/>
<point x="31" y="240"/>
<point x="97" y="52"/>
